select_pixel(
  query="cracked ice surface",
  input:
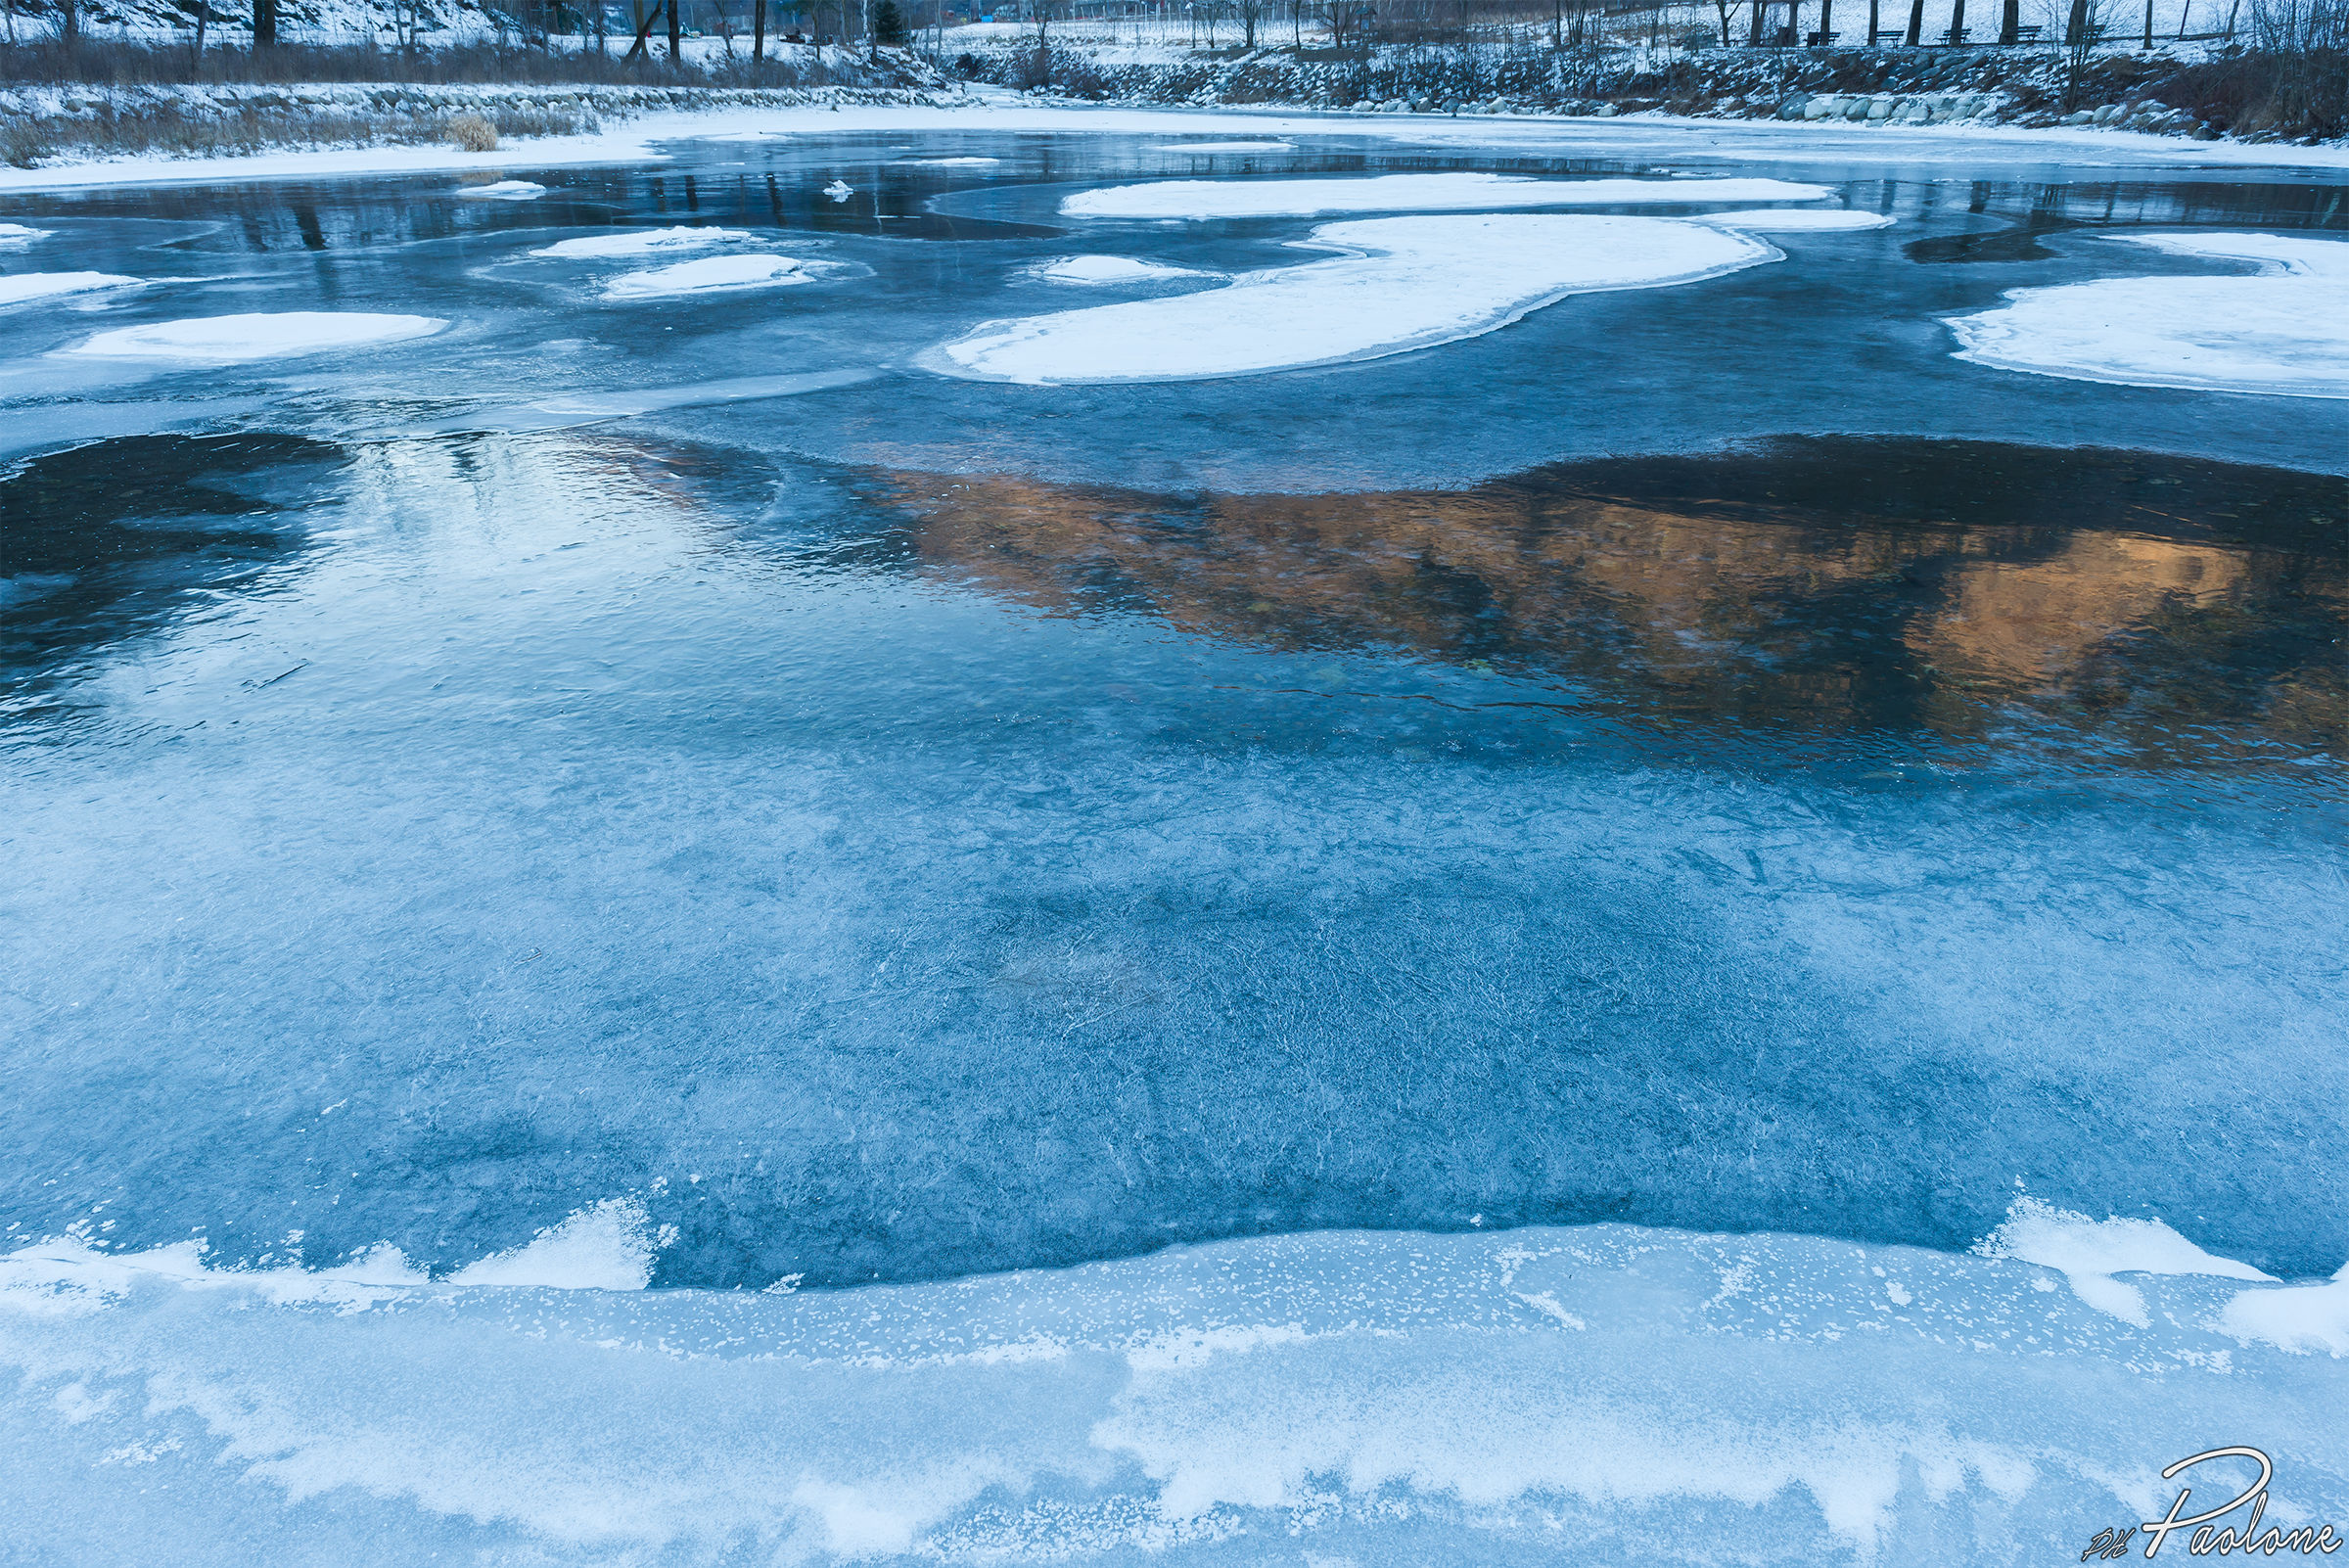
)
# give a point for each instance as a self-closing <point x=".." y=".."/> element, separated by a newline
<point x="2283" y="332"/>
<point x="1411" y="283"/>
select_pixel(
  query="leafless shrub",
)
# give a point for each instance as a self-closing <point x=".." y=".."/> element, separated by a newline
<point x="473" y="133"/>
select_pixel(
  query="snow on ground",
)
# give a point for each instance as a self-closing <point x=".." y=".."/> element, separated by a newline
<point x="232" y="339"/>
<point x="710" y="275"/>
<point x="1658" y="136"/>
<point x="1404" y="284"/>
<point x="641" y="242"/>
<point x="1108" y="269"/>
<point x="1222" y="146"/>
<point x="1406" y="193"/>
<point x="505" y="191"/>
<point x="18" y="236"/>
<point x="1801" y="220"/>
<point x="25" y="286"/>
<point x="1384" y="1398"/>
<point x="2284" y="331"/>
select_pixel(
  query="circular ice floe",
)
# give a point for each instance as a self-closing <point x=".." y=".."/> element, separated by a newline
<point x="1407" y="283"/>
<point x="504" y="191"/>
<point x="1801" y="220"/>
<point x="17" y="236"/>
<point x="2284" y="331"/>
<point x="642" y="242"/>
<point x="48" y="285"/>
<point x="1098" y="269"/>
<point x="229" y="339"/>
<point x="1413" y="193"/>
<point x="709" y="275"/>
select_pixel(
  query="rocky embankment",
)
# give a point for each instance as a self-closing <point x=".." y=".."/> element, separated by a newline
<point x="47" y="123"/>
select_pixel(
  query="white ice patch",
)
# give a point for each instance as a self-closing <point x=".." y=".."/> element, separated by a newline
<point x="2284" y="331"/>
<point x="1517" y="1397"/>
<point x="504" y="191"/>
<point x="715" y="273"/>
<point x="232" y="339"/>
<point x="2300" y="1317"/>
<point x="1411" y="193"/>
<point x="1802" y="220"/>
<point x="1108" y="269"/>
<point x="17" y="236"/>
<point x="2090" y="1252"/>
<point x="1402" y="284"/>
<point x="1222" y="146"/>
<point x="949" y="162"/>
<point x="609" y="1247"/>
<point x="23" y="286"/>
<point x="643" y="242"/>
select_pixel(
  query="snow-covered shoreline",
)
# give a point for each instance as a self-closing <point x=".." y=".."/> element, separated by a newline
<point x="1663" y="135"/>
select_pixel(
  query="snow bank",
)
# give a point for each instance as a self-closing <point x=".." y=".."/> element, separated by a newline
<point x="1404" y="284"/>
<point x="643" y="242"/>
<point x="710" y="275"/>
<point x="1384" y="1398"/>
<point x="2284" y="331"/>
<point x="230" y="340"/>
<point x="1801" y="220"/>
<point x="17" y="236"/>
<point x="1406" y="193"/>
<point x="504" y="191"/>
<point x="23" y="286"/>
<point x="1108" y="269"/>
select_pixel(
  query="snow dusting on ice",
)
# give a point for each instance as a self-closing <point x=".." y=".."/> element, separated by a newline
<point x="1802" y="220"/>
<point x="708" y="275"/>
<point x="230" y="340"/>
<point x="1110" y="269"/>
<point x="949" y="162"/>
<point x="25" y="286"/>
<point x="643" y="242"/>
<point x="505" y="191"/>
<point x="17" y="236"/>
<point x="2284" y="331"/>
<point x="1401" y="193"/>
<point x="609" y="1247"/>
<point x="1222" y="146"/>
<point x="1404" y="282"/>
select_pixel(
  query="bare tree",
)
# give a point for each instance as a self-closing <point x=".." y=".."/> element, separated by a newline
<point x="1916" y="23"/>
<point x="264" y="23"/>
<point x="1250" y="13"/>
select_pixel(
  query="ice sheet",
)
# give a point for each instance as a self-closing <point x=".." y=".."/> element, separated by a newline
<point x="1110" y="269"/>
<point x="504" y="191"/>
<point x="2284" y="331"/>
<point x="949" y="162"/>
<point x="1547" y="1393"/>
<point x="1407" y="193"/>
<point x="18" y="236"/>
<point x="1802" y="220"/>
<point x="1404" y="284"/>
<point x="17" y="288"/>
<point x="231" y="339"/>
<point x="1222" y="146"/>
<point x="644" y="241"/>
<point x="709" y="275"/>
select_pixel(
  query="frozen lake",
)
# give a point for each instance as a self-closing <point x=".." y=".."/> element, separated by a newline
<point x="795" y="769"/>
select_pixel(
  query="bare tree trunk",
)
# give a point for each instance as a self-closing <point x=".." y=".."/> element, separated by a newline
<point x="2075" y="31"/>
<point x="1957" y="22"/>
<point x="264" y="23"/>
<point x="758" y="30"/>
<point x="676" y="32"/>
<point x="1916" y="22"/>
<point x="1754" y="33"/>
<point x="2148" y="44"/>
<point x="2010" y="21"/>
<point x="1876" y="21"/>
